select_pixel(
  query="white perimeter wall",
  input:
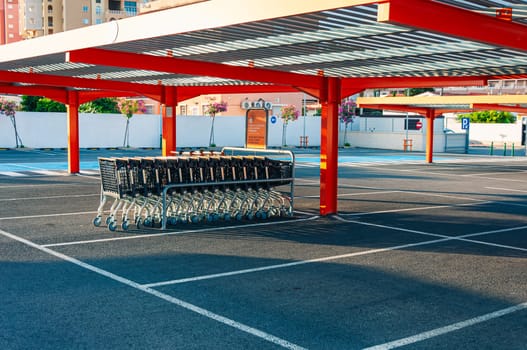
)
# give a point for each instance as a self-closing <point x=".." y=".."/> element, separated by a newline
<point x="41" y="130"/>
<point x="487" y="133"/>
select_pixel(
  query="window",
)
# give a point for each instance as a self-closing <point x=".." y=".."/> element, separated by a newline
<point x="85" y="21"/>
<point x="183" y="110"/>
<point x="50" y="21"/>
<point x="98" y="21"/>
<point x="50" y="31"/>
<point x="98" y="10"/>
<point x="97" y="1"/>
<point x="149" y="109"/>
<point x="85" y="9"/>
<point x="50" y="10"/>
<point x="130" y="6"/>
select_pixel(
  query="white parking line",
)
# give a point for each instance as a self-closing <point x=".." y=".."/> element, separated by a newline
<point x="415" y="209"/>
<point x="353" y="194"/>
<point x="49" y="197"/>
<point x="295" y="263"/>
<point x="47" y="215"/>
<point x="181" y="303"/>
<point x="173" y="233"/>
<point x="505" y="189"/>
<point x="48" y="172"/>
<point x="448" y="329"/>
<point x="442" y="238"/>
<point x="458" y="238"/>
<point x="12" y="174"/>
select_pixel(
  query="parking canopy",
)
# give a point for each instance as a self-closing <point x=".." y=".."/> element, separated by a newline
<point x="329" y="49"/>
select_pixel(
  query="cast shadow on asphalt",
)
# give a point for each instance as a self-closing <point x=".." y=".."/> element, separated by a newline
<point x="353" y="304"/>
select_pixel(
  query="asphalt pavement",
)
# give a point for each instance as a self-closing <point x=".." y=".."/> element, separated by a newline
<point x="420" y="256"/>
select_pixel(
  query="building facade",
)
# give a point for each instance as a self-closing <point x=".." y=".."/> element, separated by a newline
<point x="26" y="19"/>
<point x="9" y="21"/>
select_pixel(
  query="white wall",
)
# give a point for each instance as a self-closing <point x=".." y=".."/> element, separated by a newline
<point x="40" y="130"/>
<point x="481" y="133"/>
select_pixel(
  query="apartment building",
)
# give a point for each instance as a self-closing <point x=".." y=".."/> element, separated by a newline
<point x="9" y="21"/>
<point x="26" y="19"/>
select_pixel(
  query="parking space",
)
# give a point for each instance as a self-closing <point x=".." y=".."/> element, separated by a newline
<point x="420" y="256"/>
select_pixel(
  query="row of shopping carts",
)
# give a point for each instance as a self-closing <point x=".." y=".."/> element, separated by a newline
<point x="156" y="191"/>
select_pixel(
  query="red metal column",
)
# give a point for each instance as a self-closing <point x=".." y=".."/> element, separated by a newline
<point x="330" y="99"/>
<point x="169" y="101"/>
<point x="73" y="132"/>
<point x="430" y="118"/>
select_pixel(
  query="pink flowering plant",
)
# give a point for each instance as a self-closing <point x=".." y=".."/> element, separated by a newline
<point x="289" y="113"/>
<point x="9" y="108"/>
<point x="213" y="108"/>
<point x="128" y="108"/>
<point x="216" y="107"/>
<point x="346" y="115"/>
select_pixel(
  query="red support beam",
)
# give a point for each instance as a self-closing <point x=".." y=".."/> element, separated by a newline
<point x="73" y="132"/>
<point x="187" y="92"/>
<point x="329" y="146"/>
<point x="419" y="110"/>
<point x="54" y="93"/>
<point x="72" y="82"/>
<point x="186" y="66"/>
<point x="87" y="96"/>
<point x="450" y="20"/>
<point x="351" y="86"/>
<point x="430" y="118"/>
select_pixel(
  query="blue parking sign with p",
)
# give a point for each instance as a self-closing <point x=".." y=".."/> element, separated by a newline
<point x="465" y="123"/>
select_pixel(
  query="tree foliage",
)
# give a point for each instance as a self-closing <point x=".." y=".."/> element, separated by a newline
<point x="489" y="117"/>
<point x="43" y="104"/>
<point x="48" y="105"/>
<point x="29" y="103"/>
<point x="100" y="105"/>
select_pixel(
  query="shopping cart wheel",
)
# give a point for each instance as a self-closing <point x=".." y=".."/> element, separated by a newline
<point x="138" y="222"/>
<point x="239" y="216"/>
<point x="125" y="225"/>
<point x="172" y="221"/>
<point x="250" y="216"/>
<point x="195" y="219"/>
<point x="97" y="221"/>
<point x="112" y="226"/>
<point x="148" y="222"/>
<point x="109" y="219"/>
<point x="227" y="217"/>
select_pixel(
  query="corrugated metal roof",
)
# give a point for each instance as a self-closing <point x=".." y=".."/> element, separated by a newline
<point x="343" y="42"/>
